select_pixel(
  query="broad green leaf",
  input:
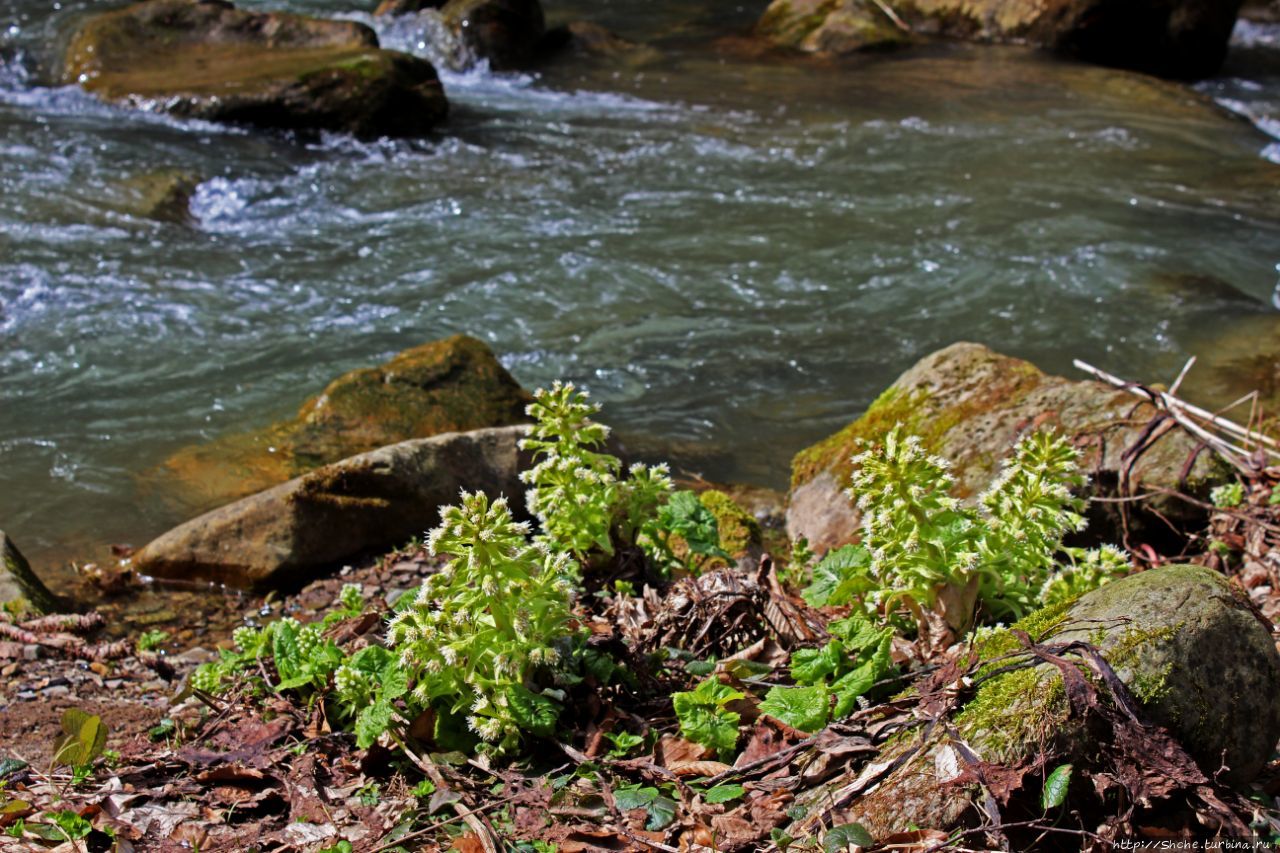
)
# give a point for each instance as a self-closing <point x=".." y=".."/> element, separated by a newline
<point x="9" y="766"/>
<point x="371" y="723"/>
<point x="630" y="797"/>
<point x="72" y="826"/>
<point x="284" y="649"/>
<point x="1056" y="787"/>
<point x="854" y="684"/>
<point x="836" y="576"/>
<point x="84" y="739"/>
<point x="661" y="812"/>
<point x="534" y="713"/>
<point x="845" y="836"/>
<point x="714" y="729"/>
<point x="803" y="708"/>
<point x="857" y="633"/>
<point x="812" y="666"/>
<point x="723" y="793"/>
<point x="687" y="517"/>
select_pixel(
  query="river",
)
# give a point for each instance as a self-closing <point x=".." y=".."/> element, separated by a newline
<point x="736" y="253"/>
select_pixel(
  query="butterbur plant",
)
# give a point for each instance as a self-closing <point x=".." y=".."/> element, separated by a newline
<point x="486" y="630"/>
<point x="578" y="492"/>
<point x="925" y="553"/>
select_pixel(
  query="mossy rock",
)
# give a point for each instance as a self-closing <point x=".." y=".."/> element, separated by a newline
<point x="740" y="534"/>
<point x="1184" y="642"/>
<point x="209" y="60"/>
<point x="971" y="405"/>
<point x="451" y="385"/>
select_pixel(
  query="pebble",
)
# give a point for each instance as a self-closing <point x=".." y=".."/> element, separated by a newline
<point x="57" y="691"/>
<point x="32" y="652"/>
<point x="99" y="667"/>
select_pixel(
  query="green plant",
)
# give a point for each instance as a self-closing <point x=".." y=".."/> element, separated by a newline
<point x="303" y="657"/>
<point x="922" y="551"/>
<point x="705" y="718"/>
<point x="484" y="629"/>
<point x="577" y="492"/>
<point x="1227" y="495"/>
<point x="623" y="743"/>
<point x="659" y="806"/>
<point x="684" y="534"/>
<point x="152" y="640"/>
<point x="832" y="677"/>
<point x="84" y="736"/>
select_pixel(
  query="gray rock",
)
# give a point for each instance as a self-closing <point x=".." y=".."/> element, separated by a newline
<point x="374" y="500"/>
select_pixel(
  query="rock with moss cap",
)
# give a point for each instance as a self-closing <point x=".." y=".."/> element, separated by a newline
<point x="970" y="405"/>
<point x="1189" y="648"/>
<point x="451" y="385"/>
<point x="207" y="59"/>
<point x="1171" y="38"/>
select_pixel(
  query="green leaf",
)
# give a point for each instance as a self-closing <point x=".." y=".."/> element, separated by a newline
<point x="284" y="649"/>
<point x="700" y="667"/>
<point x="637" y="796"/>
<point x="533" y="712"/>
<point x="714" y="729"/>
<point x="84" y="739"/>
<point x="813" y="666"/>
<point x="686" y="516"/>
<point x="1056" y="787"/>
<point x="73" y="826"/>
<point x="838" y="576"/>
<point x="803" y="708"/>
<point x="845" y="836"/>
<point x="723" y="794"/>
<point x="372" y="722"/>
<point x="162" y="730"/>
<point x="856" y="683"/>
<point x="10" y="766"/>
<point x="857" y="633"/>
<point x="661" y="812"/>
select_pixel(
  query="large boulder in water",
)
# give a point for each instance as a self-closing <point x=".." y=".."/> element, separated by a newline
<point x="206" y="59"/>
<point x="1195" y="659"/>
<point x="371" y="501"/>
<point x="971" y="405"/>
<point x="1172" y="38"/>
<point x="451" y="385"/>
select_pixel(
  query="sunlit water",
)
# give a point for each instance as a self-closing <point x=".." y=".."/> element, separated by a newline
<point x="736" y="255"/>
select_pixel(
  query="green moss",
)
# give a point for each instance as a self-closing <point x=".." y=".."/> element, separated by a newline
<point x="1127" y="653"/>
<point x="1039" y="626"/>
<point x="738" y="529"/>
<point x="890" y="409"/>
<point x="1013" y="710"/>
<point x="784" y="25"/>
<point x="920" y="414"/>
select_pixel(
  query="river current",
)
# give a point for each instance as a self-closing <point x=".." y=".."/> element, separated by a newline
<point x="735" y="253"/>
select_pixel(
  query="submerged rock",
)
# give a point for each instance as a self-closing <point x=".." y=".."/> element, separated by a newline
<point x="451" y="385"/>
<point x="1171" y="38"/>
<point x="374" y="500"/>
<point x="163" y="195"/>
<point x="1186" y="645"/>
<point x="971" y="405"/>
<point x="206" y="59"/>
<point x="19" y="581"/>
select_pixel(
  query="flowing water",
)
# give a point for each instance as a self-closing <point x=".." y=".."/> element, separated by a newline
<point x="735" y="253"/>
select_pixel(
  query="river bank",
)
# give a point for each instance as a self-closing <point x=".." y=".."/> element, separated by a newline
<point x="1010" y="193"/>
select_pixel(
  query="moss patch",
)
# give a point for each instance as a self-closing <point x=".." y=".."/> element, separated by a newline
<point x="738" y="530"/>
<point x="1014" y="710"/>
